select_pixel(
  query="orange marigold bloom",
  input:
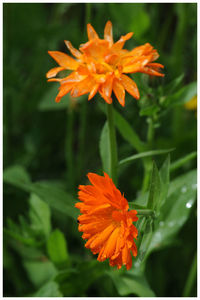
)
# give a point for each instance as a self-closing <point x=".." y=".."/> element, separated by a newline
<point x="106" y="223"/>
<point x="101" y="66"/>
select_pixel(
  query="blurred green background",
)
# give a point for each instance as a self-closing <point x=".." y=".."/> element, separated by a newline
<point x="49" y="148"/>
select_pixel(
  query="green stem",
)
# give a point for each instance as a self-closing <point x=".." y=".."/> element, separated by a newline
<point x="69" y="148"/>
<point x="191" y="278"/>
<point x="82" y="135"/>
<point x="112" y="144"/>
<point x="83" y="111"/>
<point x="150" y="132"/>
<point x="147" y="161"/>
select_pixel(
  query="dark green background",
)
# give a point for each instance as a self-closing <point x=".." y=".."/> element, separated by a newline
<point x="44" y="138"/>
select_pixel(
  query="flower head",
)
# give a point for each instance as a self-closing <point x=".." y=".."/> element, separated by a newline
<point x="106" y="223"/>
<point x="100" y="65"/>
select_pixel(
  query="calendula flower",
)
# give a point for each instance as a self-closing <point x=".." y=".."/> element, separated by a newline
<point x="106" y="223"/>
<point x="100" y="65"/>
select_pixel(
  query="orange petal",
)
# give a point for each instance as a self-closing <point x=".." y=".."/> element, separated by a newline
<point x="130" y="86"/>
<point x="73" y="51"/>
<point x="119" y="91"/>
<point x="103" y="236"/>
<point x="108" y="100"/>
<point x="64" y="60"/>
<point x="93" y="91"/>
<point x="91" y="32"/>
<point x="53" y="72"/>
<point x="54" y="79"/>
<point x="108" y="35"/>
<point x="120" y="44"/>
<point x="155" y="65"/>
<point x="111" y="243"/>
<point x="151" y="71"/>
<point x="64" y="89"/>
<point x="107" y="86"/>
<point x="81" y="88"/>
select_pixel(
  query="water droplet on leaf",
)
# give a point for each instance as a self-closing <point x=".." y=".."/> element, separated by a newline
<point x="189" y="203"/>
<point x="184" y="189"/>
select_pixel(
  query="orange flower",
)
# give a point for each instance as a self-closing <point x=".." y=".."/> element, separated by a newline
<point x="106" y="223"/>
<point x="101" y="65"/>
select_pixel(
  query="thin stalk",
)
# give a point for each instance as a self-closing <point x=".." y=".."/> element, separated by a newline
<point x="150" y="132"/>
<point x="69" y="148"/>
<point x="112" y="143"/>
<point x="83" y="111"/>
<point x="147" y="161"/>
<point x="191" y="278"/>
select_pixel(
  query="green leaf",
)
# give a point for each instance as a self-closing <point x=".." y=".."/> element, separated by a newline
<point x="105" y="148"/>
<point x="29" y="241"/>
<point x="149" y="110"/>
<point x="50" y="289"/>
<point x="183" y="160"/>
<point x="57" y="198"/>
<point x="155" y="187"/>
<point x="57" y="248"/>
<point x="184" y="95"/>
<point x="144" y="154"/>
<point x="48" y="101"/>
<point x="130" y="283"/>
<point x="128" y="133"/>
<point x="40" y="215"/>
<point x="173" y="85"/>
<point x="164" y="180"/>
<point x="40" y="272"/>
<point x="17" y="176"/>
<point x="175" y="212"/>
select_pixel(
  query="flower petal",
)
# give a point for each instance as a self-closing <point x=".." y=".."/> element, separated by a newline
<point x="103" y="236"/>
<point x="93" y="91"/>
<point x="53" y="72"/>
<point x="64" y="60"/>
<point x="64" y="89"/>
<point x="91" y="32"/>
<point x="73" y="51"/>
<point x="120" y="44"/>
<point x="130" y="86"/>
<point x="119" y="92"/>
<point x="108" y="35"/>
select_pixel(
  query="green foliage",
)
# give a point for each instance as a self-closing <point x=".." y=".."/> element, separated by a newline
<point x="49" y="148"/>
<point x="47" y="191"/>
<point x="144" y="154"/>
<point x="182" y="96"/>
<point x="104" y="148"/>
<point x="40" y="215"/>
<point x="57" y="248"/>
<point x="128" y="132"/>
<point x="131" y="284"/>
